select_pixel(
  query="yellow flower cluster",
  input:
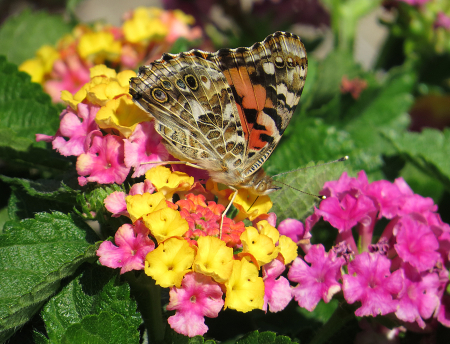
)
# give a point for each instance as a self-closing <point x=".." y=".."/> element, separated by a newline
<point x="144" y="36"/>
<point x="175" y="256"/>
<point x="109" y="90"/>
<point x="40" y="65"/>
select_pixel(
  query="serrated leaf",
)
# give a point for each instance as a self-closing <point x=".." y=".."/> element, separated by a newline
<point x="428" y="150"/>
<point x="25" y="110"/>
<point x="329" y="75"/>
<point x="54" y="190"/>
<point x="92" y="307"/>
<point x="30" y="197"/>
<point x="22" y="35"/>
<point x="35" y="256"/>
<point x="291" y="203"/>
<point x="256" y="337"/>
<point x="382" y="108"/>
<point x="311" y="140"/>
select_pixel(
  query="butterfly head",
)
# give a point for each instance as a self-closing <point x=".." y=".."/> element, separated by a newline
<point x="259" y="183"/>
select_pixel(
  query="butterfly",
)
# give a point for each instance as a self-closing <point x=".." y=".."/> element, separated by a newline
<point x="225" y="112"/>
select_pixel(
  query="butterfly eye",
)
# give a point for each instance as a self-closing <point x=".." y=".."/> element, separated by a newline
<point x="181" y="84"/>
<point x="159" y="95"/>
<point x="279" y="62"/>
<point x="166" y="84"/>
<point x="191" y="81"/>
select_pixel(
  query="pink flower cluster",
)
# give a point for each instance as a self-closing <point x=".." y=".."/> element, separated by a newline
<point x="401" y="271"/>
<point x="104" y="159"/>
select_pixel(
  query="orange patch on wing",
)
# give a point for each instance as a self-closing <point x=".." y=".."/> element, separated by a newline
<point x="245" y="126"/>
<point x="255" y="142"/>
<point x="253" y="96"/>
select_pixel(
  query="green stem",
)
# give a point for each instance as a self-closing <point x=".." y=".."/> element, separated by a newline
<point x="342" y="315"/>
<point x="148" y="298"/>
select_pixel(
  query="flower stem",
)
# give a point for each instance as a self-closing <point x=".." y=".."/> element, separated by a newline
<point x="342" y="315"/>
<point x="148" y="298"/>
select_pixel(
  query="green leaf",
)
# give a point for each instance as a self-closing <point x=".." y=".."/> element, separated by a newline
<point x="428" y="150"/>
<point x="378" y="110"/>
<point x="290" y="202"/>
<point x="25" y="109"/>
<point x="310" y="140"/>
<point x="22" y="35"/>
<point x="325" y="86"/>
<point x="256" y="337"/>
<point x="35" y="256"/>
<point x="92" y="308"/>
<point x="54" y="190"/>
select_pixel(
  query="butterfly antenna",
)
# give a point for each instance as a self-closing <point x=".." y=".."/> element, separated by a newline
<point x="303" y="192"/>
<point x="344" y="158"/>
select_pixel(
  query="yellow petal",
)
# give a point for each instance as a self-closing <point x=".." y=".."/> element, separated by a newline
<point x="121" y="114"/>
<point x="169" y="262"/>
<point x="259" y="245"/>
<point x="35" y="68"/>
<point x="48" y="55"/>
<point x="102" y="70"/>
<point x="214" y="258"/>
<point x="140" y="205"/>
<point x="288" y="249"/>
<point x="169" y="182"/>
<point x="250" y="206"/>
<point x="124" y="77"/>
<point x="266" y="228"/>
<point x="143" y="26"/>
<point x="245" y="289"/>
<point x="165" y="223"/>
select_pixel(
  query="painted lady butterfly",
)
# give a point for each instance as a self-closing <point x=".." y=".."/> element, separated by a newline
<point x="225" y="112"/>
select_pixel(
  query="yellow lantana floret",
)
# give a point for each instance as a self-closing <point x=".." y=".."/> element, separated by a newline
<point x="264" y="227"/>
<point x="214" y="258"/>
<point x="99" y="47"/>
<point x="35" y="68"/>
<point x="102" y="70"/>
<point x="169" y="262"/>
<point x="250" y="206"/>
<point x="169" y="182"/>
<point x="140" y="205"/>
<point x="121" y="114"/>
<point x="165" y="223"/>
<point x="259" y="246"/>
<point x="245" y="289"/>
<point x="288" y="249"/>
<point x="144" y="25"/>
<point x="105" y="85"/>
<point x="40" y="65"/>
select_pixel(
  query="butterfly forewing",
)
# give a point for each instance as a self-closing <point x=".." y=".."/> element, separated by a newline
<point x="267" y="80"/>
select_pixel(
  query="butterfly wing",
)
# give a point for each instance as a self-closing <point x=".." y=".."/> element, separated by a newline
<point x="194" y="109"/>
<point x="267" y="80"/>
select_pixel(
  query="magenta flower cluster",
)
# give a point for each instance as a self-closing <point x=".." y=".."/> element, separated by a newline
<point x="104" y="159"/>
<point x="401" y="272"/>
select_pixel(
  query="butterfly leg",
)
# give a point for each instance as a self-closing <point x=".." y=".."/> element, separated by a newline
<point x="226" y="210"/>
<point x="173" y="163"/>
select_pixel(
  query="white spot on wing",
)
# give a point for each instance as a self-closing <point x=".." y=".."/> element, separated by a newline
<point x="269" y="68"/>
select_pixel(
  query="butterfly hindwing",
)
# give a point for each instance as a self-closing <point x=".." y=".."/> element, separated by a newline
<point x="194" y="110"/>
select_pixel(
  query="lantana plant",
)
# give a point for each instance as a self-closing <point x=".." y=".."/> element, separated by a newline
<point x="107" y="238"/>
<point x="145" y="34"/>
<point x="172" y="232"/>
